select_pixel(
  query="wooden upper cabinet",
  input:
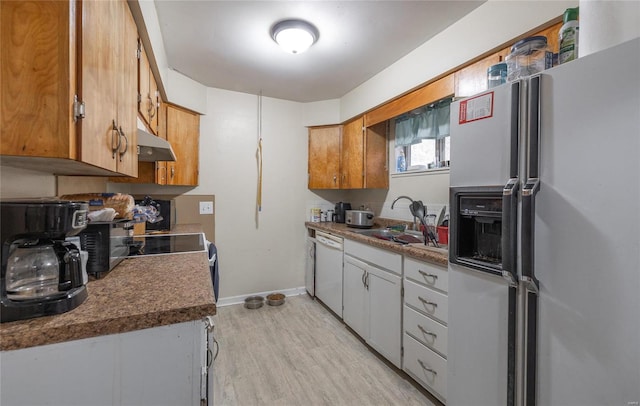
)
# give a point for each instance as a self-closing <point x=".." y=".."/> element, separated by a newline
<point x="153" y="104"/>
<point x="160" y="166"/>
<point x="183" y="133"/>
<point x="553" y="41"/>
<point x="147" y="91"/>
<point x="434" y="91"/>
<point x="376" y="168"/>
<point x="128" y="95"/>
<point x="108" y="86"/>
<point x="143" y="83"/>
<point x="37" y="67"/>
<point x="324" y="157"/>
<point x="348" y="156"/>
<point x="53" y="52"/>
<point x="352" y="155"/>
<point x="472" y="79"/>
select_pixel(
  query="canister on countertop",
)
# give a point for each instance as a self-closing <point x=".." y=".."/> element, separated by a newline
<point x="496" y="75"/>
<point x="315" y="215"/>
<point x="528" y="57"/>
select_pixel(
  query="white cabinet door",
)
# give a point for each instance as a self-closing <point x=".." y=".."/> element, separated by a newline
<point x="372" y="306"/>
<point x="154" y="366"/>
<point x="385" y="304"/>
<point x="355" y="311"/>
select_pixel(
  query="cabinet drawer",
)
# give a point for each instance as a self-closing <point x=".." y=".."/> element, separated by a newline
<point x="425" y="366"/>
<point x="428" y="301"/>
<point x="426" y="330"/>
<point x="426" y="274"/>
<point x="376" y="256"/>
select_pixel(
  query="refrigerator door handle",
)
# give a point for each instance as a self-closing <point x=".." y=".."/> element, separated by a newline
<point x="514" y="130"/>
<point x="533" y="165"/>
<point x="509" y="231"/>
<point x="529" y="191"/>
<point x="530" y="345"/>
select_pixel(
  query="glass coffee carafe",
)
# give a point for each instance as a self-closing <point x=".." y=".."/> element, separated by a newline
<point x="33" y="272"/>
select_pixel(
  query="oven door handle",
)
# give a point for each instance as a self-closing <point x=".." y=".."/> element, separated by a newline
<point x="509" y="243"/>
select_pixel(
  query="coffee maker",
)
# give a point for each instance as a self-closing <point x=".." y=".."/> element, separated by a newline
<point x="42" y="273"/>
<point x="340" y="212"/>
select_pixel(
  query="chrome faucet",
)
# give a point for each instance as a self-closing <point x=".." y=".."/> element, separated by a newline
<point x="411" y="200"/>
<point x="401" y="197"/>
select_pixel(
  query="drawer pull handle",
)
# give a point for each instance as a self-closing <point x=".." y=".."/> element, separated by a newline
<point x="434" y="335"/>
<point x="427" y="275"/>
<point x="425" y="301"/>
<point x="427" y="368"/>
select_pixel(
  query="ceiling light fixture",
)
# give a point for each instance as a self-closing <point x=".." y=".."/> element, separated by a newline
<point x="294" y="36"/>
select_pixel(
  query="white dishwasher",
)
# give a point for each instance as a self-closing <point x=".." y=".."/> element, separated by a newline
<point x="329" y="255"/>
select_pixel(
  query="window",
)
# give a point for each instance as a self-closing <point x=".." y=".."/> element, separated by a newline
<point x="422" y="137"/>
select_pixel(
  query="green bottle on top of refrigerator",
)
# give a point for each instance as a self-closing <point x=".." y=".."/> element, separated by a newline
<point x="568" y="36"/>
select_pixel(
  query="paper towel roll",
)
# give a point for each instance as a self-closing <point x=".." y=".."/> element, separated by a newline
<point x="605" y="23"/>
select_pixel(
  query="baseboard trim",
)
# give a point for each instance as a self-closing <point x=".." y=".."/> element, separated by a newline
<point x="228" y="301"/>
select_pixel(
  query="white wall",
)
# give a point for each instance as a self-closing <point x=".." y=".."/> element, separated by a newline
<point x="258" y="251"/>
<point x="19" y="183"/>
<point x="605" y="23"/>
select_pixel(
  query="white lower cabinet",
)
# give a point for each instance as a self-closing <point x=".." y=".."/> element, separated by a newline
<point x="425" y="325"/>
<point x="165" y="365"/>
<point x="425" y="366"/>
<point x="372" y="298"/>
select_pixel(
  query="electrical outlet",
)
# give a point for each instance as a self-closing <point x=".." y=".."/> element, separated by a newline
<point x="206" y="207"/>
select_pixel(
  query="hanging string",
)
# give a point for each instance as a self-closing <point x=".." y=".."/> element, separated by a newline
<point x="259" y="153"/>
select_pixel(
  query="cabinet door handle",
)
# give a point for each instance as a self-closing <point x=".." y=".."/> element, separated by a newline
<point x="427" y="275"/>
<point x="425" y="301"/>
<point x="426" y="368"/>
<point x="335" y="179"/>
<point x="173" y="171"/>
<point x="366" y="280"/>
<point x="425" y="331"/>
<point x="152" y="110"/>
<point x="126" y="143"/>
<point x="362" y="278"/>
<point x="115" y="135"/>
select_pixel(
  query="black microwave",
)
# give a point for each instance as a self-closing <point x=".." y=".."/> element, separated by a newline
<point x="107" y="243"/>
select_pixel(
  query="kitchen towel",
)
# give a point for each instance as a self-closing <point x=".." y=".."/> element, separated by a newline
<point x="213" y="267"/>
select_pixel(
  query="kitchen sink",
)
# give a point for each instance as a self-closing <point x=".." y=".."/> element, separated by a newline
<point x="392" y="235"/>
<point x="378" y="232"/>
<point x="414" y="238"/>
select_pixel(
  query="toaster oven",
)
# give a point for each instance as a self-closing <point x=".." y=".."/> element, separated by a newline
<point x="107" y="243"/>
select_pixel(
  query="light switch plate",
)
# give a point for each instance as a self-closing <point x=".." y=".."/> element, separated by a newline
<point x="206" y="207"/>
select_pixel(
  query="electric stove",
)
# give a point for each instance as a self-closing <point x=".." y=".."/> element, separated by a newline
<point x="163" y="244"/>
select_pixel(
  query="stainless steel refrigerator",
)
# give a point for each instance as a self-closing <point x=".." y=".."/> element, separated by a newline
<point x="544" y="254"/>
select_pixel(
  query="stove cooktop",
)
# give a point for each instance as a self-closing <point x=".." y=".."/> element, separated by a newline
<point x="167" y="244"/>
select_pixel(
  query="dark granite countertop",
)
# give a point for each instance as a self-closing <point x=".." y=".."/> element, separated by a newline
<point x="418" y="251"/>
<point x="139" y="293"/>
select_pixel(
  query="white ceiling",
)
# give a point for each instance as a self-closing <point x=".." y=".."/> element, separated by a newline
<point x="227" y="45"/>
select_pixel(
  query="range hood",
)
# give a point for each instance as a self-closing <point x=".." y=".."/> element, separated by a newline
<point x="152" y="148"/>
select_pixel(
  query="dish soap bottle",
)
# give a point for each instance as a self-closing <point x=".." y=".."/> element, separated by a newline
<point x="401" y="164"/>
<point x="568" y="36"/>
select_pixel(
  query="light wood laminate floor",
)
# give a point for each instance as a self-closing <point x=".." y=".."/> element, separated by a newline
<point x="301" y="354"/>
